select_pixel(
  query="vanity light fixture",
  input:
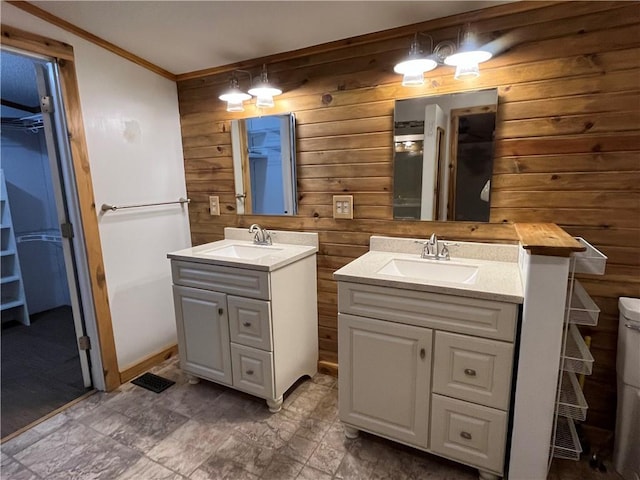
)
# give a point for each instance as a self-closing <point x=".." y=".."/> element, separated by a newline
<point x="464" y="54"/>
<point x="414" y="66"/>
<point x="264" y="91"/>
<point x="468" y="56"/>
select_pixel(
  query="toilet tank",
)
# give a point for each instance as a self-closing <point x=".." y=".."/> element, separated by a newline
<point x="626" y="450"/>
<point x="628" y="358"/>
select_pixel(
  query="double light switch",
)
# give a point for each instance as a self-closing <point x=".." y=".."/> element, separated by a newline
<point x="343" y="206"/>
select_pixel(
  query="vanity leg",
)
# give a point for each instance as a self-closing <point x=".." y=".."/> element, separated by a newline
<point x="192" y="380"/>
<point x="274" y="405"/>
<point x="487" y="476"/>
<point x="350" y="432"/>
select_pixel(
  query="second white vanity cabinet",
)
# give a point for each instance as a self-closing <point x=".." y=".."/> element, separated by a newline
<point x="427" y="369"/>
<point x="251" y="326"/>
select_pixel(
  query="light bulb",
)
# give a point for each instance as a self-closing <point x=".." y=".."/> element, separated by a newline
<point x="467" y="70"/>
<point x="264" y="101"/>
<point x="235" y="106"/>
<point x="413" y="79"/>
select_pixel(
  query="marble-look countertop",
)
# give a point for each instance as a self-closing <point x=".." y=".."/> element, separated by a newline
<point x="496" y="280"/>
<point x="298" y="245"/>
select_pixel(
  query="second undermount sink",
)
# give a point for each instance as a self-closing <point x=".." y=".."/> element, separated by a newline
<point x="242" y="251"/>
<point x="431" y="270"/>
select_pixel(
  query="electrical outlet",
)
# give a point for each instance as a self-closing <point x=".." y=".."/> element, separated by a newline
<point x="214" y="205"/>
<point x="343" y="206"/>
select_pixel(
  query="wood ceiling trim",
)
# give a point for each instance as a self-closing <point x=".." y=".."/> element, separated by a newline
<point x="59" y="22"/>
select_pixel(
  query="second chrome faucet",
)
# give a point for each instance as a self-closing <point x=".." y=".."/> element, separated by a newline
<point x="431" y="251"/>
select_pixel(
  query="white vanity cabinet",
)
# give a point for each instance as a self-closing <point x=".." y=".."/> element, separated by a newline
<point x="427" y="369"/>
<point x="254" y="330"/>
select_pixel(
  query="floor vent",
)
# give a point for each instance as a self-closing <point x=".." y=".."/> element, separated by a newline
<point x="153" y="382"/>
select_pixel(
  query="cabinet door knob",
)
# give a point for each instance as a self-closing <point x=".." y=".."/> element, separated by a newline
<point x="470" y="372"/>
<point x="422" y="353"/>
<point x="246" y="324"/>
<point x="465" y="435"/>
<point x="249" y="372"/>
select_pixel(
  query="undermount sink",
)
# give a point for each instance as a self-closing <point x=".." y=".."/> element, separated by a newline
<point x="245" y="252"/>
<point x="434" y="270"/>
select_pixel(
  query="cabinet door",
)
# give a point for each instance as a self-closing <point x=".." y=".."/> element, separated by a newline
<point x="385" y="370"/>
<point x="203" y="333"/>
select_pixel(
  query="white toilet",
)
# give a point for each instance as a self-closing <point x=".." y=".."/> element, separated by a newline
<point x="626" y="451"/>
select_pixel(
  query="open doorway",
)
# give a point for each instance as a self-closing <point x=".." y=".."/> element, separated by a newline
<point x="44" y="344"/>
<point x="471" y="163"/>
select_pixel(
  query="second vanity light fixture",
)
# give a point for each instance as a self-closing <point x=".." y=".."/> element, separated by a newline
<point x="465" y="55"/>
<point x="262" y="90"/>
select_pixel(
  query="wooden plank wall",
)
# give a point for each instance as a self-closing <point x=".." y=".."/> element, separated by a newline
<point x="567" y="152"/>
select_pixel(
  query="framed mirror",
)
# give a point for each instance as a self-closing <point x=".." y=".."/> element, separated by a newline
<point x="443" y="156"/>
<point x="264" y="164"/>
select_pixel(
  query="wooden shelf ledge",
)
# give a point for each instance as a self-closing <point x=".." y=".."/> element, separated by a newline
<point x="547" y="239"/>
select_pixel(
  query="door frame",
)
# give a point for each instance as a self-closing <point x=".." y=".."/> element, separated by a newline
<point x="63" y="54"/>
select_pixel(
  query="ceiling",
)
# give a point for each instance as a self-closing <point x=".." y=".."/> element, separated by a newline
<point x="186" y="36"/>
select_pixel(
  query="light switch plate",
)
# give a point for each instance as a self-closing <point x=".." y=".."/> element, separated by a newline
<point x="343" y="206"/>
<point x="214" y="205"/>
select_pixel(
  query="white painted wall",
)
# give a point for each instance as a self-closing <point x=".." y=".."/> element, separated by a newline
<point x="133" y="134"/>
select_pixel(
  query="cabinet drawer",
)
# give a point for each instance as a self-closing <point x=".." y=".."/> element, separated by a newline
<point x="473" y="369"/>
<point x="484" y="318"/>
<point x="252" y="370"/>
<point x="236" y="281"/>
<point x="470" y="433"/>
<point x="250" y="322"/>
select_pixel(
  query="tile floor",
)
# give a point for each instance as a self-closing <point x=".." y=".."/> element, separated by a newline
<point x="206" y="431"/>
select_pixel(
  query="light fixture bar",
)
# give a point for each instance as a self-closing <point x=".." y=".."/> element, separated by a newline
<point x="262" y="90"/>
<point x="464" y="54"/>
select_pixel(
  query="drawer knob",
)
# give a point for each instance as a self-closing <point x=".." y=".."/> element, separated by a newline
<point x="465" y="435"/>
<point x="470" y="372"/>
<point x="422" y="353"/>
<point x="249" y="372"/>
<point x="246" y="324"/>
<point x="220" y="311"/>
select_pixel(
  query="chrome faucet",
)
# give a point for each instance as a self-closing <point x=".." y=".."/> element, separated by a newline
<point x="261" y="236"/>
<point x="430" y="249"/>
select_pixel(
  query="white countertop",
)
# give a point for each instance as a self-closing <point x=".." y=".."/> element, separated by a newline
<point x="496" y="280"/>
<point x="282" y="254"/>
